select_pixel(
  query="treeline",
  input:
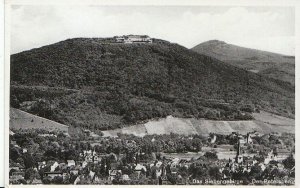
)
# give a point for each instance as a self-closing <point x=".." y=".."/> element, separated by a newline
<point x="101" y="110"/>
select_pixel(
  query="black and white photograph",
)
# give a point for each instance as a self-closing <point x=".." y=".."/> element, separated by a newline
<point x="151" y="94"/>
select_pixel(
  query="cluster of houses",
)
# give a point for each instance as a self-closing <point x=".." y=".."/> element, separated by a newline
<point x="17" y="172"/>
<point x="133" y="39"/>
<point x="156" y="168"/>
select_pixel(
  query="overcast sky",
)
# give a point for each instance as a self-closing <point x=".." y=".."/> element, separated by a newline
<point x="265" y="28"/>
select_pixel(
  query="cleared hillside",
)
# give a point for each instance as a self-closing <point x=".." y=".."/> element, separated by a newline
<point x="95" y="84"/>
<point x="269" y="64"/>
<point x="23" y="120"/>
<point x="264" y="123"/>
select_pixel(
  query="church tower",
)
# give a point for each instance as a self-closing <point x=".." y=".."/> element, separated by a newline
<point x="239" y="157"/>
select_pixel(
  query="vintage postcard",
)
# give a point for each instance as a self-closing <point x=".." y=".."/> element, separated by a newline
<point x="150" y="93"/>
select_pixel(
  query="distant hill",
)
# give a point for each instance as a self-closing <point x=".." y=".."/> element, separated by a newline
<point x="273" y="65"/>
<point x="96" y="84"/>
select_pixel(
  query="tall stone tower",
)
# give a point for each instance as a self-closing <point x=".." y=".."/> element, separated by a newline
<point x="239" y="157"/>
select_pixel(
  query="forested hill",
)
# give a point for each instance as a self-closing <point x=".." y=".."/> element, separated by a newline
<point x="269" y="64"/>
<point x="93" y="83"/>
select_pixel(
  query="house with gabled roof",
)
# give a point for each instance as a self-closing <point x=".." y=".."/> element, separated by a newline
<point x="53" y="174"/>
<point x="17" y="175"/>
<point x="41" y="165"/>
<point x="71" y="162"/>
<point x="53" y="166"/>
<point x="114" y="173"/>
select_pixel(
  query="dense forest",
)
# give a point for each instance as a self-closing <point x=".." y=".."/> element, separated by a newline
<point x="97" y="84"/>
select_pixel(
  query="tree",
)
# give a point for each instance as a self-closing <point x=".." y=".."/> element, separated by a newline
<point x="183" y="171"/>
<point x="57" y="180"/>
<point x="197" y="171"/>
<point x="211" y="155"/>
<point x="256" y="172"/>
<point x="46" y="180"/>
<point x="30" y="173"/>
<point x="171" y="178"/>
<point x="275" y="173"/>
<point x="197" y="144"/>
<point x="28" y="161"/>
<point x="33" y="147"/>
<point x="12" y="171"/>
<point x="210" y="114"/>
<point x="22" y="181"/>
<point x="259" y="158"/>
<point x="14" y="153"/>
<point x="42" y="108"/>
<point x="117" y="179"/>
<point x="71" y="154"/>
<point x="214" y="172"/>
<point x="66" y="180"/>
<point x="14" y="102"/>
<point x="289" y="162"/>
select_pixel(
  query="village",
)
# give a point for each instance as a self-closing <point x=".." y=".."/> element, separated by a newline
<point x="41" y="157"/>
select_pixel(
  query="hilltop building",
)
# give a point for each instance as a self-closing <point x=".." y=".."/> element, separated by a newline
<point x="133" y="39"/>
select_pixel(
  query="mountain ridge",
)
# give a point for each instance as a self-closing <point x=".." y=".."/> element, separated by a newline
<point x="97" y="84"/>
<point x="273" y="65"/>
<point x="216" y="42"/>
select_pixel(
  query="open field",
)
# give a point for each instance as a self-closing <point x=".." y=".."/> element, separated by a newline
<point x="273" y="119"/>
<point x="23" y="120"/>
<point x="264" y="123"/>
<point x="223" y="152"/>
<point x="221" y="155"/>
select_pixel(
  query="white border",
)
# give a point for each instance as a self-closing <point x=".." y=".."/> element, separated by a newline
<point x="2" y="129"/>
<point x="6" y="91"/>
<point x="8" y="3"/>
<point x="160" y="2"/>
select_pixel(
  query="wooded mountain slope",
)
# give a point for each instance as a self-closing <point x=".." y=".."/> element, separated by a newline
<point x="273" y="65"/>
<point x="96" y="84"/>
